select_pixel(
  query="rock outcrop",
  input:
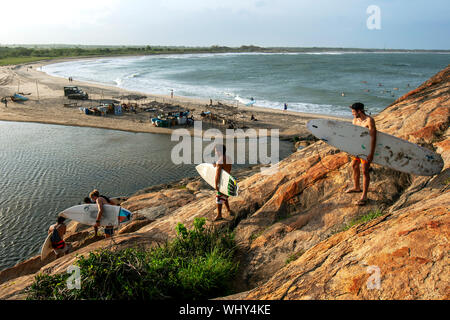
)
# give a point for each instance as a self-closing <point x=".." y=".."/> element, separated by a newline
<point x="400" y="255"/>
<point x="289" y="224"/>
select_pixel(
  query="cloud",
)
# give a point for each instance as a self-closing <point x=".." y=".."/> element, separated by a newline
<point x="57" y="13"/>
<point x="230" y="22"/>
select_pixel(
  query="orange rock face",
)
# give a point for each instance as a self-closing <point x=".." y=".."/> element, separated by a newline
<point x="400" y="255"/>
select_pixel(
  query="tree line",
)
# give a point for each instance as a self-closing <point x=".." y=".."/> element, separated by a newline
<point x="48" y="51"/>
<point x="15" y="52"/>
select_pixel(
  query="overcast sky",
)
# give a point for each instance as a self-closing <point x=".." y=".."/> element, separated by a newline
<point x="404" y="24"/>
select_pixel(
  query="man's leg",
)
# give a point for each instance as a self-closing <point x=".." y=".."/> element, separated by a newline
<point x="231" y="213"/>
<point x="356" y="177"/>
<point x="59" y="253"/>
<point x="366" y="181"/>
<point x="219" y="212"/>
<point x="68" y="248"/>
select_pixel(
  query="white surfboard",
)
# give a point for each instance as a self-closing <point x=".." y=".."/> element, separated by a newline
<point x="46" y="247"/>
<point x="227" y="183"/>
<point x="87" y="214"/>
<point x="390" y="151"/>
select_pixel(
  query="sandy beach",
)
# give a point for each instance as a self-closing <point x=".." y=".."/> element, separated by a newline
<point x="47" y="104"/>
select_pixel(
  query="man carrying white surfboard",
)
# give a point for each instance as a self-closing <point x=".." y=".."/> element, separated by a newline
<point x="361" y="119"/>
<point x="223" y="162"/>
<point x="100" y="201"/>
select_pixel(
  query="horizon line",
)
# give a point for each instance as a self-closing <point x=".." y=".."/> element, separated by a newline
<point x="213" y="46"/>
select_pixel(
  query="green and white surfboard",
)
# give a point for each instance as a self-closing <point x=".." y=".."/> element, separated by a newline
<point x="227" y="183"/>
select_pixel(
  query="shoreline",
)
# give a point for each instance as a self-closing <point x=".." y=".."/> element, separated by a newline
<point x="182" y="98"/>
<point x="46" y="100"/>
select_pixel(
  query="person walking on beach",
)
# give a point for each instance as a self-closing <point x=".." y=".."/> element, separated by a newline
<point x="361" y="119"/>
<point x="223" y="162"/>
<point x="101" y="200"/>
<point x="57" y="231"/>
<point x="285" y="106"/>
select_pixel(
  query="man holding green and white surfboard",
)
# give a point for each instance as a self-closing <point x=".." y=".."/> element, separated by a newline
<point x="223" y="162"/>
<point x="361" y="119"/>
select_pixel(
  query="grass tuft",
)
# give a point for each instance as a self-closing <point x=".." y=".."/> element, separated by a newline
<point x="363" y="219"/>
<point x="295" y="256"/>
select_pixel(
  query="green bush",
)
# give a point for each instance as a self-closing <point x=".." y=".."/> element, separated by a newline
<point x="197" y="264"/>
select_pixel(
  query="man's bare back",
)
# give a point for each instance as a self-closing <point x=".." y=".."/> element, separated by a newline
<point x="364" y="123"/>
<point x="224" y="164"/>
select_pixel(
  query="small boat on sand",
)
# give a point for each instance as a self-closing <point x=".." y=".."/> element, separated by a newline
<point x="18" y="97"/>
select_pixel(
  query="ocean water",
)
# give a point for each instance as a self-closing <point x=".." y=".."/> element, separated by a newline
<point x="324" y="83"/>
<point x="48" y="168"/>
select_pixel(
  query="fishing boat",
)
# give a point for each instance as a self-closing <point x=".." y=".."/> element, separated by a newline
<point x="18" y="97"/>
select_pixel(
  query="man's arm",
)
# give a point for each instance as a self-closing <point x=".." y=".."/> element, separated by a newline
<point x="218" y="171"/>
<point x="100" y="211"/>
<point x="373" y="139"/>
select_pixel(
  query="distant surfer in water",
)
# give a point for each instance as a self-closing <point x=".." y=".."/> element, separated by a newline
<point x="101" y="201"/>
<point x="223" y="162"/>
<point x="361" y="119"/>
<point x="60" y="247"/>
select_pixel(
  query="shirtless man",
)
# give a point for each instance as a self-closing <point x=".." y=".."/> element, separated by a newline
<point x="101" y="201"/>
<point x="361" y="119"/>
<point x="224" y="162"/>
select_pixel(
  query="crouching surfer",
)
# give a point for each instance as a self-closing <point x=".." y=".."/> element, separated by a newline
<point x="60" y="247"/>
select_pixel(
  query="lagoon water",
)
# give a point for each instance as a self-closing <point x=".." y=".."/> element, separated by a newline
<point x="307" y="82"/>
<point x="48" y="168"/>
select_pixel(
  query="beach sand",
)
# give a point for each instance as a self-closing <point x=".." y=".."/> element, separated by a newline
<point x="46" y="105"/>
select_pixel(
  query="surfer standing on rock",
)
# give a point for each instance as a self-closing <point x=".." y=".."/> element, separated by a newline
<point x="100" y="201"/>
<point x="223" y="162"/>
<point x="361" y="119"/>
